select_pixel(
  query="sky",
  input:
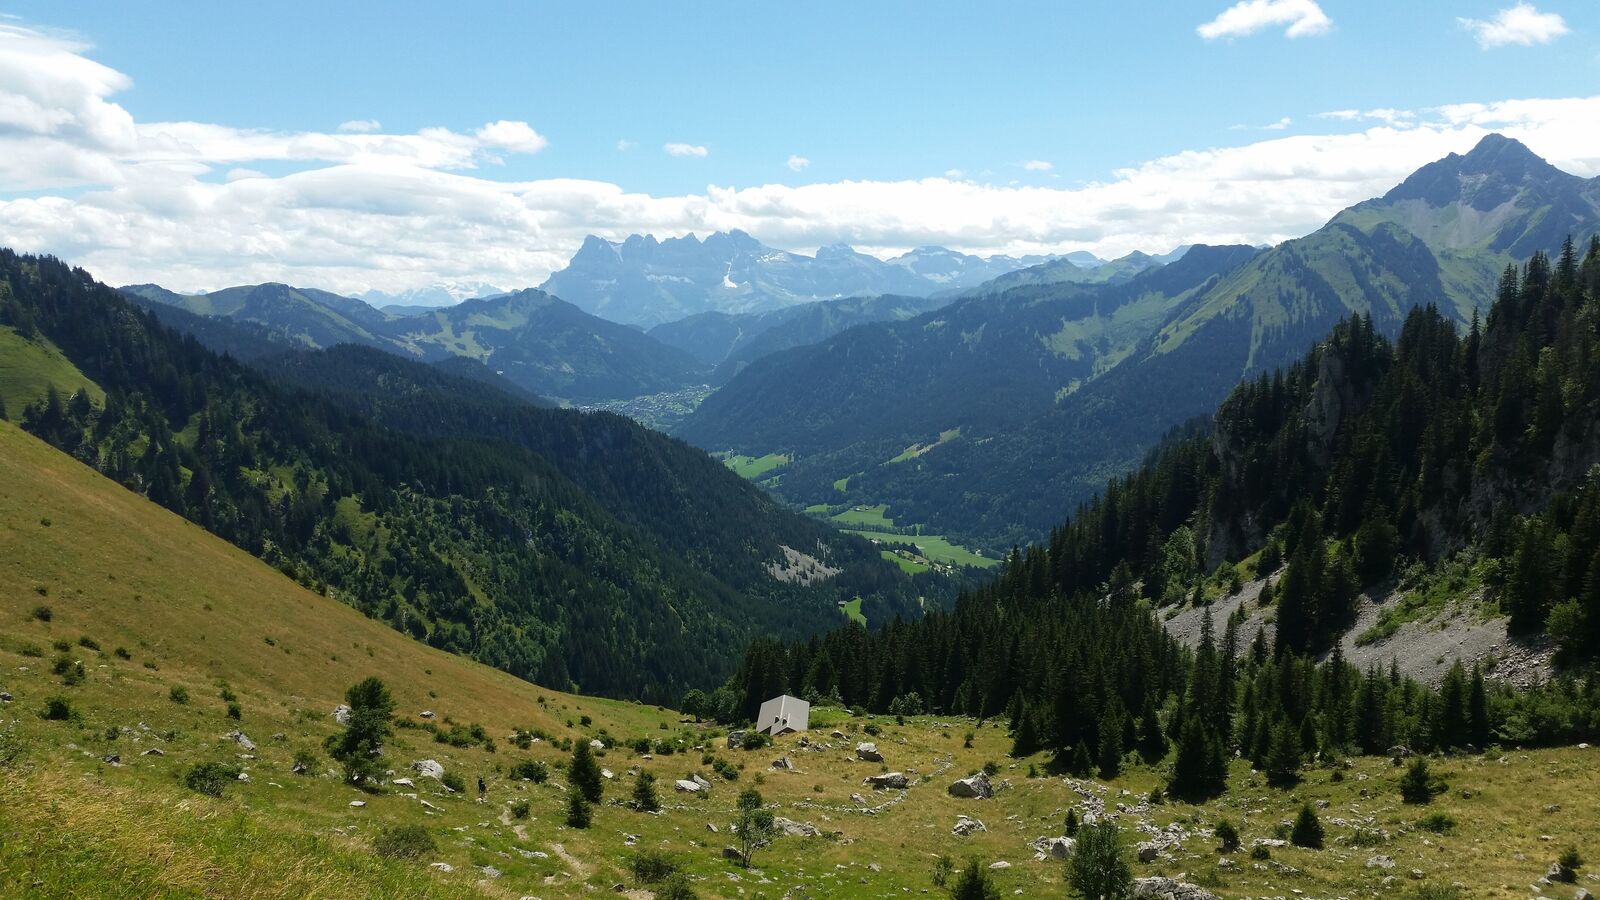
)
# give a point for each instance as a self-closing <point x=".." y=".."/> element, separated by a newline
<point x="361" y="146"/>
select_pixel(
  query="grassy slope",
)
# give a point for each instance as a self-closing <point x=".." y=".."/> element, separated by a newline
<point x="129" y="574"/>
<point x="28" y="368"/>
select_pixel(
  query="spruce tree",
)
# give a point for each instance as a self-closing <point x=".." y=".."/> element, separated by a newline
<point x="1307" y="830"/>
<point x="584" y="773"/>
<point x="1152" y="743"/>
<point x="644" y="793"/>
<point x="1098" y="869"/>
<point x="974" y="884"/>
<point x="1110" y="757"/>
<point x="1283" y="755"/>
<point x="578" y="813"/>
<point x="357" y="747"/>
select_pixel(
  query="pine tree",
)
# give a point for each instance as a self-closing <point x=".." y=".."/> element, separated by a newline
<point x="358" y="746"/>
<point x="1098" y="869"/>
<point x="1200" y="768"/>
<point x="1307" y="830"/>
<point x="644" y="793"/>
<point x="1283" y="755"/>
<point x="1110" y="757"/>
<point x="584" y="773"/>
<point x="578" y="813"/>
<point x="1152" y="743"/>
<point x="974" y="884"/>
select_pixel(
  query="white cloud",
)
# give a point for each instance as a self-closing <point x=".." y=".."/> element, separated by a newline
<point x="136" y="202"/>
<point x="796" y="163"/>
<point x="1521" y="24"/>
<point x="514" y="137"/>
<point x="694" y="151"/>
<point x="360" y="126"/>
<point x="1399" y="118"/>
<point x="954" y="173"/>
<point x="1038" y="165"/>
<point x="624" y="145"/>
<point x="1280" y="125"/>
<point x="1304" y="18"/>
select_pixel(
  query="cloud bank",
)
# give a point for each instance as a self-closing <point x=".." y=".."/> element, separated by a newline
<point x="189" y="204"/>
<point x="1521" y="24"/>
<point x="1303" y="18"/>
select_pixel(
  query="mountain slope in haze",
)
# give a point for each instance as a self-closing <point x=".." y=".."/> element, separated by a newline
<point x="1066" y="271"/>
<point x="550" y="347"/>
<point x="645" y="282"/>
<point x="731" y="342"/>
<point x="541" y="344"/>
<point x="461" y="536"/>
<point x="1374" y="259"/>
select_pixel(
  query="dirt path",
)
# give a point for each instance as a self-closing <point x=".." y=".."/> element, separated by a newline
<point x="578" y="869"/>
<point x="521" y="831"/>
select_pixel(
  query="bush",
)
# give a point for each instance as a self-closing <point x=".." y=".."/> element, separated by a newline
<point x="178" y="694"/>
<point x="1097" y="867"/>
<point x="454" y="782"/>
<point x="1570" y="862"/>
<point x="1418" y="785"/>
<point x="530" y="770"/>
<point x="942" y="867"/>
<point x="403" y="842"/>
<point x="61" y="645"/>
<point x="1439" y="823"/>
<point x="726" y="769"/>
<point x="676" y="887"/>
<point x="1307" y="829"/>
<point x="755" y="740"/>
<point x="12" y="748"/>
<point x="652" y="866"/>
<point x="58" y="709"/>
<point x="1227" y="836"/>
<point x="974" y="884"/>
<point x="210" y="778"/>
<point x="122" y="653"/>
<point x="1260" y="852"/>
<point x="305" y="759"/>
<point x="520" y="809"/>
<point x="89" y="643"/>
<point x="43" y="613"/>
<point x="235" y="712"/>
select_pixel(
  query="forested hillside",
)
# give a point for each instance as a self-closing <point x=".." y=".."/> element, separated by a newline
<point x="445" y="518"/>
<point x="1367" y="454"/>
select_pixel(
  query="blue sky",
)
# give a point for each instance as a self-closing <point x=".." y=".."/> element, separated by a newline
<point x="884" y="93"/>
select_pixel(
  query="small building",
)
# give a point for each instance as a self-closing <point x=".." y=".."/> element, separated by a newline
<point x="783" y="714"/>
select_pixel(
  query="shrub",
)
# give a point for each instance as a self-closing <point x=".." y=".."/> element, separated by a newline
<point x="12" y="748"/>
<point x="89" y="643"/>
<point x="61" y="645"/>
<point x="1418" y="785"/>
<point x="227" y="695"/>
<point x="1097" y="867"/>
<point x="1260" y="852"/>
<point x="33" y="651"/>
<point x="1438" y="823"/>
<point x="676" y="887"/>
<point x="403" y="842"/>
<point x="210" y="778"/>
<point x="178" y="694"/>
<point x="235" y="712"/>
<point x="43" y="613"/>
<point x="520" y="809"/>
<point x="1070" y="828"/>
<point x="1307" y="829"/>
<point x="58" y="709"/>
<point x="530" y="770"/>
<point x="966" y="741"/>
<point x="454" y="782"/>
<point x="755" y="740"/>
<point x="974" y="884"/>
<point x="872" y="729"/>
<point x="1227" y="836"/>
<point x="122" y="653"/>
<point x="585" y="721"/>
<point x="942" y="867"/>
<point x="652" y="866"/>
<point x="1570" y="862"/>
<point x="305" y="759"/>
<point x="724" y="768"/>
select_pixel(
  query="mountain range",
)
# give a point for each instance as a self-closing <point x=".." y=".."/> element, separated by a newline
<point x="645" y="282"/>
<point x="1055" y="385"/>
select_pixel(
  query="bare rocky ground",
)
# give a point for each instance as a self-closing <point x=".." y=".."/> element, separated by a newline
<point x="1424" y="650"/>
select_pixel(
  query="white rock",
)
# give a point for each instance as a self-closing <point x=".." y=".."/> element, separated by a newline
<point x="869" y="752"/>
<point x="686" y="786"/>
<point x="428" y="768"/>
<point x="341" y="714"/>
<point x="358" y="803"/>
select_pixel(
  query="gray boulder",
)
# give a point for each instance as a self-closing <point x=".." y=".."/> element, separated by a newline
<point x="341" y="714"/>
<point x="795" y="829"/>
<point x="965" y="826"/>
<point x="1057" y="847"/>
<point x="783" y="762"/>
<point x="686" y="786"/>
<point x="888" y="781"/>
<point x="238" y="737"/>
<point x="975" y="788"/>
<point x="1157" y="888"/>
<point x="428" y="768"/>
<point x="735" y="740"/>
<point x="869" y="752"/>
